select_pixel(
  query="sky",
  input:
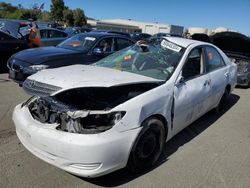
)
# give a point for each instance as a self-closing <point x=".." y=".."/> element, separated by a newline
<point x="232" y="14"/>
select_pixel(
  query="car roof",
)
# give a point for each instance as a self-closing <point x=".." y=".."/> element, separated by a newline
<point x="184" y="42"/>
<point x="101" y="34"/>
<point x="50" y="28"/>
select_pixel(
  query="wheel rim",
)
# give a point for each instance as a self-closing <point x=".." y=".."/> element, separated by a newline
<point x="148" y="148"/>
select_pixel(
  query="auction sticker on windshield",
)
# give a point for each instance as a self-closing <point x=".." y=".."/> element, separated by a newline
<point x="90" y="38"/>
<point x="171" y="46"/>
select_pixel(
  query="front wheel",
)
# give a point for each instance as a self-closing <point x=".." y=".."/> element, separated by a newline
<point x="148" y="146"/>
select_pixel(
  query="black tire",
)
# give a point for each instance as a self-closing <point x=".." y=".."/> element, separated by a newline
<point x="148" y="146"/>
<point x="223" y="101"/>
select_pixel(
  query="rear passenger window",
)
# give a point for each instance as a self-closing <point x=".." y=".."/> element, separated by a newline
<point x="123" y="43"/>
<point x="56" y="34"/>
<point x="214" y="60"/>
<point x="44" y="34"/>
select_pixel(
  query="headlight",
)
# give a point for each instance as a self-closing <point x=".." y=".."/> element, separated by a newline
<point x="94" y="123"/>
<point x="34" y="68"/>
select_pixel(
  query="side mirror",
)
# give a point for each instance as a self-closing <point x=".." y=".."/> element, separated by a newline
<point x="97" y="51"/>
<point x="180" y="79"/>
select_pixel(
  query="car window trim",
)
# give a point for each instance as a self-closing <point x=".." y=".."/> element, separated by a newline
<point x="224" y="64"/>
<point x="204" y="63"/>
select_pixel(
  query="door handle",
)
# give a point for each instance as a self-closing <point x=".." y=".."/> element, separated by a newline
<point x="207" y="82"/>
<point x="226" y="74"/>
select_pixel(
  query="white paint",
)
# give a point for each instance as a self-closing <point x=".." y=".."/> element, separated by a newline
<point x="98" y="154"/>
<point x="90" y="38"/>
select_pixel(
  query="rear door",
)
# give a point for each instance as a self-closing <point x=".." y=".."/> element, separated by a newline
<point x="53" y="37"/>
<point x="191" y="94"/>
<point x="219" y="74"/>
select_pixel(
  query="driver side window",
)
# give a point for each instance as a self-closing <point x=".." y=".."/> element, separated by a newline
<point x="106" y="45"/>
<point x="194" y="64"/>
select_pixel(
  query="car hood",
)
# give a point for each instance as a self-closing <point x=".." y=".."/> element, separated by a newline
<point x="78" y="76"/>
<point x="40" y="55"/>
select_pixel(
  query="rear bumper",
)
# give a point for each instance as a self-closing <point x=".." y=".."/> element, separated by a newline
<point x="83" y="155"/>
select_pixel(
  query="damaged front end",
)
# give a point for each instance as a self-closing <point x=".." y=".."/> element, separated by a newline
<point x="84" y="110"/>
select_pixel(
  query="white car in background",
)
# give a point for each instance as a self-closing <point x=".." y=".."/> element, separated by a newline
<point x="92" y="120"/>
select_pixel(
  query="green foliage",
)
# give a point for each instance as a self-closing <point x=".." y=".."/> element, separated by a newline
<point x="79" y="17"/>
<point x="45" y="16"/>
<point x="68" y="17"/>
<point x="28" y="14"/>
<point x="56" y="10"/>
<point x="58" y="13"/>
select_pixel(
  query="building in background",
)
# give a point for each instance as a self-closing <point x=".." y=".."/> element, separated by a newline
<point x="131" y="26"/>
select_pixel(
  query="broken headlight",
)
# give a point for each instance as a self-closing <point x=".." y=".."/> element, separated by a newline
<point x="91" y="124"/>
<point x="70" y="119"/>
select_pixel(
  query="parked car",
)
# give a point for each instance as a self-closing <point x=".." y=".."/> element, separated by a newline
<point x="85" y="48"/>
<point x="237" y="47"/>
<point x="243" y="63"/>
<point x="11" y="41"/>
<point x="200" y="37"/>
<point x="157" y="35"/>
<point x="15" y="36"/>
<point x="76" y="30"/>
<point x="92" y="120"/>
<point x="140" y="36"/>
<point x="111" y="31"/>
<point x="49" y="36"/>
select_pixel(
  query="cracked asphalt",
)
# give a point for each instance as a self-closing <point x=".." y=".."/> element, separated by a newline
<point x="212" y="152"/>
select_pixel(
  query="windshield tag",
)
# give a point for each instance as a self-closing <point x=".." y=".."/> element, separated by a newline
<point x="171" y="46"/>
<point x="90" y="38"/>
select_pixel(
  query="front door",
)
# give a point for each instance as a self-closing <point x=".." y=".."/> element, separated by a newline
<point x="191" y="94"/>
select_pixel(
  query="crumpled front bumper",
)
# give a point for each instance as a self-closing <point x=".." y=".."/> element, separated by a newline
<point x="90" y="155"/>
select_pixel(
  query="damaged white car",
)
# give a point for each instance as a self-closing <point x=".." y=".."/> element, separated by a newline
<point x="92" y="120"/>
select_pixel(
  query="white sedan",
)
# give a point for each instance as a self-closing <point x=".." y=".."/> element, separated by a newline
<point x="93" y="120"/>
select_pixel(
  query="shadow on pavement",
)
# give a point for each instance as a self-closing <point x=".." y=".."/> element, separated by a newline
<point x="4" y="80"/>
<point x="123" y="176"/>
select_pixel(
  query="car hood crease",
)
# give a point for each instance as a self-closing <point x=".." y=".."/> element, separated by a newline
<point x="78" y="76"/>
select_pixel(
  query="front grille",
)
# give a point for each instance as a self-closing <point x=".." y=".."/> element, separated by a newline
<point x="33" y="87"/>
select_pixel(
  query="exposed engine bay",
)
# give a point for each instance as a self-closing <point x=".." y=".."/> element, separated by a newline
<point x="85" y="110"/>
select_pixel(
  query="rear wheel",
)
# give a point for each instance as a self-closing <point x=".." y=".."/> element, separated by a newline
<point x="148" y="146"/>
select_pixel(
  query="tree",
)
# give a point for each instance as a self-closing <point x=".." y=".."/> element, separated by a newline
<point x="56" y="9"/>
<point x="45" y="16"/>
<point x="28" y="14"/>
<point x="79" y="17"/>
<point x="68" y="17"/>
<point x="7" y="7"/>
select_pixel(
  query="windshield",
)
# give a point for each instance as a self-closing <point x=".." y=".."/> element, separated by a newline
<point x="78" y="43"/>
<point x="157" y="59"/>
